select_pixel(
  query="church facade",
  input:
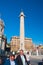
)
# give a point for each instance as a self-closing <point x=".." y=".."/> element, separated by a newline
<point x="3" y="39"/>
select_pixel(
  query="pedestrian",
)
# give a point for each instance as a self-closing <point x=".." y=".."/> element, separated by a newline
<point x="21" y="58"/>
<point x="1" y="61"/>
<point x="11" y="60"/>
<point x="28" y="58"/>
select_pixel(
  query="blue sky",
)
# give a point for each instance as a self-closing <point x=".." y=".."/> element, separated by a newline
<point x="33" y="10"/>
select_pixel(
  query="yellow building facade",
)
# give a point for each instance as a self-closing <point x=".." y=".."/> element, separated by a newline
<point x="15" y="43"/>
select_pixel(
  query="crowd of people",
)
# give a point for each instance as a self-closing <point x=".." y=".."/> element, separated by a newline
<point x="18" y="59"/>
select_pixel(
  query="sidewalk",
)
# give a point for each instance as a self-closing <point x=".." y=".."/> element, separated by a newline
<point x="37" y="57"/>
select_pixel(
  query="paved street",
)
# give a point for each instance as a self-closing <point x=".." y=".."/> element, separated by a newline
<point x="35" y="60"/>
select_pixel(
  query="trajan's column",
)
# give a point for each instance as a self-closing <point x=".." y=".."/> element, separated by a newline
<point x="22" y="30"/>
